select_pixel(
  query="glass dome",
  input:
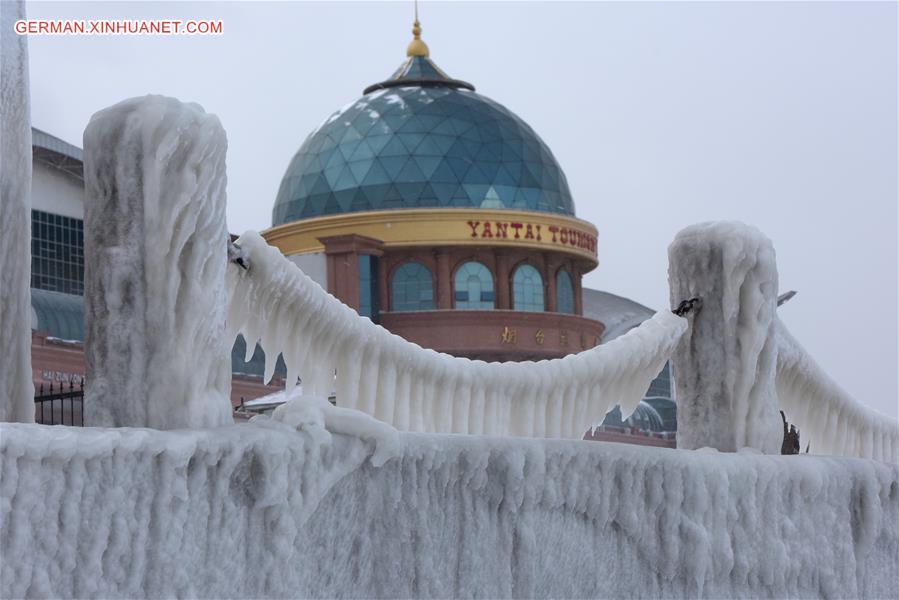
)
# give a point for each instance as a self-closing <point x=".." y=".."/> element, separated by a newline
<point x="421" y="139"/>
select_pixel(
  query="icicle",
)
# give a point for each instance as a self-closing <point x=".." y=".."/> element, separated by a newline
<point x="385" y="399"/>
<point x="461" y="402"/>
<point x="476" y="412"/>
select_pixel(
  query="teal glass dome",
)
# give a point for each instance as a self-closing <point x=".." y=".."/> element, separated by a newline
<point x="421" y="140"/>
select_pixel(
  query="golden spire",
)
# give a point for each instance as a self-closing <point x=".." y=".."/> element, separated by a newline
<point x="416" y="46"/>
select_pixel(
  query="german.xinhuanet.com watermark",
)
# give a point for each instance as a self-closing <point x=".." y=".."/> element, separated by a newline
<point x="119" y="27"/>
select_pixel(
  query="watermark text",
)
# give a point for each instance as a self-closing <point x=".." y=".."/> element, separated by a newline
<point x="119" y="27"/>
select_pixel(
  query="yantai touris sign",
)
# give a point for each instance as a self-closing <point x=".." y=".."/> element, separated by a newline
<point x="554" y="234"/>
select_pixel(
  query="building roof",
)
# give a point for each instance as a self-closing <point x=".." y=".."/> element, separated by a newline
<point x="421" y="139"/>
<point x="617" y="313"/>
<point x="59" y="315"/>
<point x="52" y="151"/>
<point x="419" y="71"/>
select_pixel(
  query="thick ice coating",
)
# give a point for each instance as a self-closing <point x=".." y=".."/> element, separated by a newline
<point x="316" y="415"/>
<point x="263" y="511"/>
<point x="416" y="389"/>
<point x="728" y="389"/>
<point x="155" y="256"/>
<point x="724" y="366"/>
<point x="16" y="389"/>
<point x="829" y="419"/>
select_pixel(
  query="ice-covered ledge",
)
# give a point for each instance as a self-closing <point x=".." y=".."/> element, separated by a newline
<point x="261" y="510"/>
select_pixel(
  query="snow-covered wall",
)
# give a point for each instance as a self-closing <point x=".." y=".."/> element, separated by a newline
<point x="829" y="419"/>
<point x="415" y="389"/>
<point x="262" y="510"/>
<point x="155" y="245"/>
<point x="724" y="366"/>
<point x="16" y="388"/>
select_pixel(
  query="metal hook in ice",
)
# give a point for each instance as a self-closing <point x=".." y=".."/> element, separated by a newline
<point x="237" y="256"/>
<point x="686" y="306"/>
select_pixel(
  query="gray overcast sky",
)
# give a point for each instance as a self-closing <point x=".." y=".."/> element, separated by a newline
<point x="782" y="115"/>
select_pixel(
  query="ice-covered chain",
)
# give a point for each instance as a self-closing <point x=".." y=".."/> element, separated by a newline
<point x="417" y="389"/>
<point x="832" y="421"/>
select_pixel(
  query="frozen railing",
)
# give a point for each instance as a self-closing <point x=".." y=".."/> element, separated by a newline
<point x="737" y="364"/>
<point x="416" y="389"/>
<point x="831" y="420"/>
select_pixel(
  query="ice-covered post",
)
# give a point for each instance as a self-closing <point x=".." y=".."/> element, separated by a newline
<point x="724" y="366"/>
<point x="16" y="389"/>
<point x="155" y="258"/>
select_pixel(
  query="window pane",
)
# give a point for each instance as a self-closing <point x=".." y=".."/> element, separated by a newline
<point x="564" y="293"/>
<point x="412" y="288"/>
<point x="527" y="289"/>
<point x="474" y="287"/>
<point x="368" y="286"/>
<point x="60" y="239"/>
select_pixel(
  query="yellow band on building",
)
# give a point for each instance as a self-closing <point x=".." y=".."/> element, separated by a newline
<point x="443" y="226"/>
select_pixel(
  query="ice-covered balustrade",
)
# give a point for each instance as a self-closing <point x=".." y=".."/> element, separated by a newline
<point x="724" y="366"/>
<point x="155" y="257"/>
<point x="738" y="364"/>
<point x="416" y="389"/>
<point x="16" y="389"/>
<point x="262" y="510"/>
<point x="830" y="420"/>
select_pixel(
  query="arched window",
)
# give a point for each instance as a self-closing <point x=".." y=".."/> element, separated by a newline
<point x="412" y="288"/>
<point x="564" y="293"/>
<point x="527" y="289"/>
<point x="474" y="287"/>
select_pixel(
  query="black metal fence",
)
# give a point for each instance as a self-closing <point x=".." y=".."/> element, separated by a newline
<point x="60" y="404"/>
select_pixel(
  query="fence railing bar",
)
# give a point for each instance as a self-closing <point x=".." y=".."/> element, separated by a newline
<point x="71" y="391"/>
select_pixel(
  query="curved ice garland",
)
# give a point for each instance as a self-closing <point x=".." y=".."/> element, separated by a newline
<point x="417" y="389"/>
<point x="831" y="420"/>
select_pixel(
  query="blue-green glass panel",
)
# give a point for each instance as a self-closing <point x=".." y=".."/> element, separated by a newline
<point x="564" y="293"/>
<point x="360" y="168"/>
<point x="368" y="287"/>
<point x="410" y="141"/>
<point x="427" y="165"/>
<point x="376" y="175"/>
<point x="473" y="287"/>
<point x="412" y="288"/>
<point x="527" y="289"/>
<point x="377" y="142"/>
<point x="394" y="147"/>
<point x="393" y="165"/>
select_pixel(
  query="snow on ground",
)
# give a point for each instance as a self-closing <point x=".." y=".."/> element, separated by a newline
<point x="416" y="389"/>
<point x="277" y="509"/>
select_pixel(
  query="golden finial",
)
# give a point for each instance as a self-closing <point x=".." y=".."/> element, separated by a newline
<point x="416" y="46"/>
